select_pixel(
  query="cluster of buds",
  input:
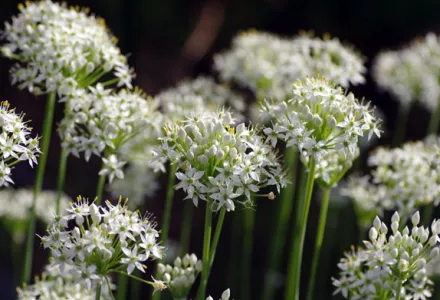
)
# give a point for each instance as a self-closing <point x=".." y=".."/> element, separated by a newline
<point x="180" y="277"/>
<point x="391" y="266"/>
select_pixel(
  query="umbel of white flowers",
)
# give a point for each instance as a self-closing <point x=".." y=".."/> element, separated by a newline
<point x="61" y="49"/>
<point x="390" y="266"/>
<point x="102" y="122"/>
<point x="180" y="278"/>
<point x="268" y="64"/>
<point x="15" y="142"/>
<point x="95" y="241"/>
<point x="219" y="163"/>
<point x="54" y="284"/>
<point x="318" y="120"/>
<point x="402" y="179"/>
<point x="411" y="74"/>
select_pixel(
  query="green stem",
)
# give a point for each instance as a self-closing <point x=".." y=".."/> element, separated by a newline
<point x="434" y="121"/>
<point x="206" y="253"/>
<point x="122" y="282"/>
<point x="318" y="242"/>
<point x="100" y="189"/>
<point x="277" y="240"/>
<point x="218" y="230"/>
<point x="294" y="267"/>
<point x="45" y="142"/>
<point x="98" y="292"/>
<point x="168" y="204"/>
<point x="401" y="122"/>
<point x="246" y="257"/>
<point x="185" y="234"/>
<point x="399" y="289"/>
<point x="61" y="177"/>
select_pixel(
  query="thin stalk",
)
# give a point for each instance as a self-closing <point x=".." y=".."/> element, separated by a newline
<point x="206" y="253"/>
<point x="61" y="177"/>
<point x="168" y="204"/>
<point x="318" y="242"/>
<point x="185" y="234"/>
<point x="45" y="142"/>
<point x="216" y="238"/>
<point x="246" y="257"/>
<point x="434" y="121"/>
<point x="399" y="289"/>
<point x="277" y="239"/>
<point x="401" y="122"/>
<point x="294" y="267"/>
<point x="100" y="189"/>
<point x="98" y="292"/>
<point x="122" y="283"/>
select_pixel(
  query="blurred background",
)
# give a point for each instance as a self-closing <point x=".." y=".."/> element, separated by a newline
<point x="169" y="40"/>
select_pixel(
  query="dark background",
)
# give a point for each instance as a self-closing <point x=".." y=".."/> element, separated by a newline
<point x="168" y="40"/>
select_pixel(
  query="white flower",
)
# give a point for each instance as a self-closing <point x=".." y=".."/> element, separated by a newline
<point x="112" y="167"/>
<point x="225" y="295"/>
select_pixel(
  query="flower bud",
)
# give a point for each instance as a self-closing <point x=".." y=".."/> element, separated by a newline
<point x="226" y="294"/>
<point x="415" y="219"/>
<point x="373" y="234"/>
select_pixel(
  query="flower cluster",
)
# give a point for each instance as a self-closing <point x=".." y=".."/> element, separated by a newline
<point x="15" y="143"/>
<point x="55" y="284"/>
<point x="180" y="101"/>
<point x="391" y="266"/>
<point x="60" y="49"/>
<point x="15" y="205"/>
<point x="102" y="121"/>
<point x="98" y="240"/>
<point x="268" y="64"/>
<point x="411" y="74"/>
<point x="218" y="163"/>
<point x="180" y="277"/>
<point x="402" y="179"/>
<point x="225" y="295"/>
<point x="320" y="119"/>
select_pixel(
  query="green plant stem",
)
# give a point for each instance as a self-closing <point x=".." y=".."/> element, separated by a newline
<point x="401" y="124"/>
<point x="277" y="240"/>
<point x="185" y="234"/>
<point x="122" y="283"/>
<point x="61" y="177"/>
<point x="216" y="238"/>
<point x="98" y="292"/>
<point x="206" y="252"/>
<point x="246" y="257"/>
<point x="168" y="204"/>
<point x="45" y="142"/>
<point x="100" y="189"/>
<point x="294" y="267"/>
<point x="399" y="289"/>
<point x="434" y="121"/>
<point x="318" y="242"/>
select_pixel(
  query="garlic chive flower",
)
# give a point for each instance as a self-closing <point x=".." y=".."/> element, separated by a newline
<point x="15" y="205"/>
<point x="392" y="262"/>
<point x="225" y="295"/>
<point x="180" y="277"/>
<point x="61" y="49"/>
<point x="54" y="284"/>
<point x="15" y="142"/>
<point x="102" y="122"/>
<point x="318" y="120"/>
<point x="402" y="179"/>
<point x="219" y="163"/>
<point x="212" y="94"/>
<point x="95" y="241"/>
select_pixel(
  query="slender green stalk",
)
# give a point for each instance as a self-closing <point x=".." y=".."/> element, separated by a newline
<point x="216" y="238"/>
<point x="100" y="189"/>
<point x="61" y="177"/>
<point x="168" y="204"/>
<point x="294" y="267"/>
<point x="185" y="233"/>
<point x="277" y="239"/>
<point x="401" y="123"/>
<point x="45" y="142"/>
<point x="318" y="242"/>
<point x="206" y="253"/>
<point x="246" y="257"/>
<point x="122" y="283"/>
<point x="399" y="289"/>
<point x="98" y="292"/>
<point x="434" y="121"/>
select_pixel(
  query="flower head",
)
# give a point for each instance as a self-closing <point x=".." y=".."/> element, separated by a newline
<point x="101" y="239"/>
<point x="219" y="163"/>
<point x="61" y="49"/>
<point x="15" y="142"/>
<point x="390" y="261"/>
